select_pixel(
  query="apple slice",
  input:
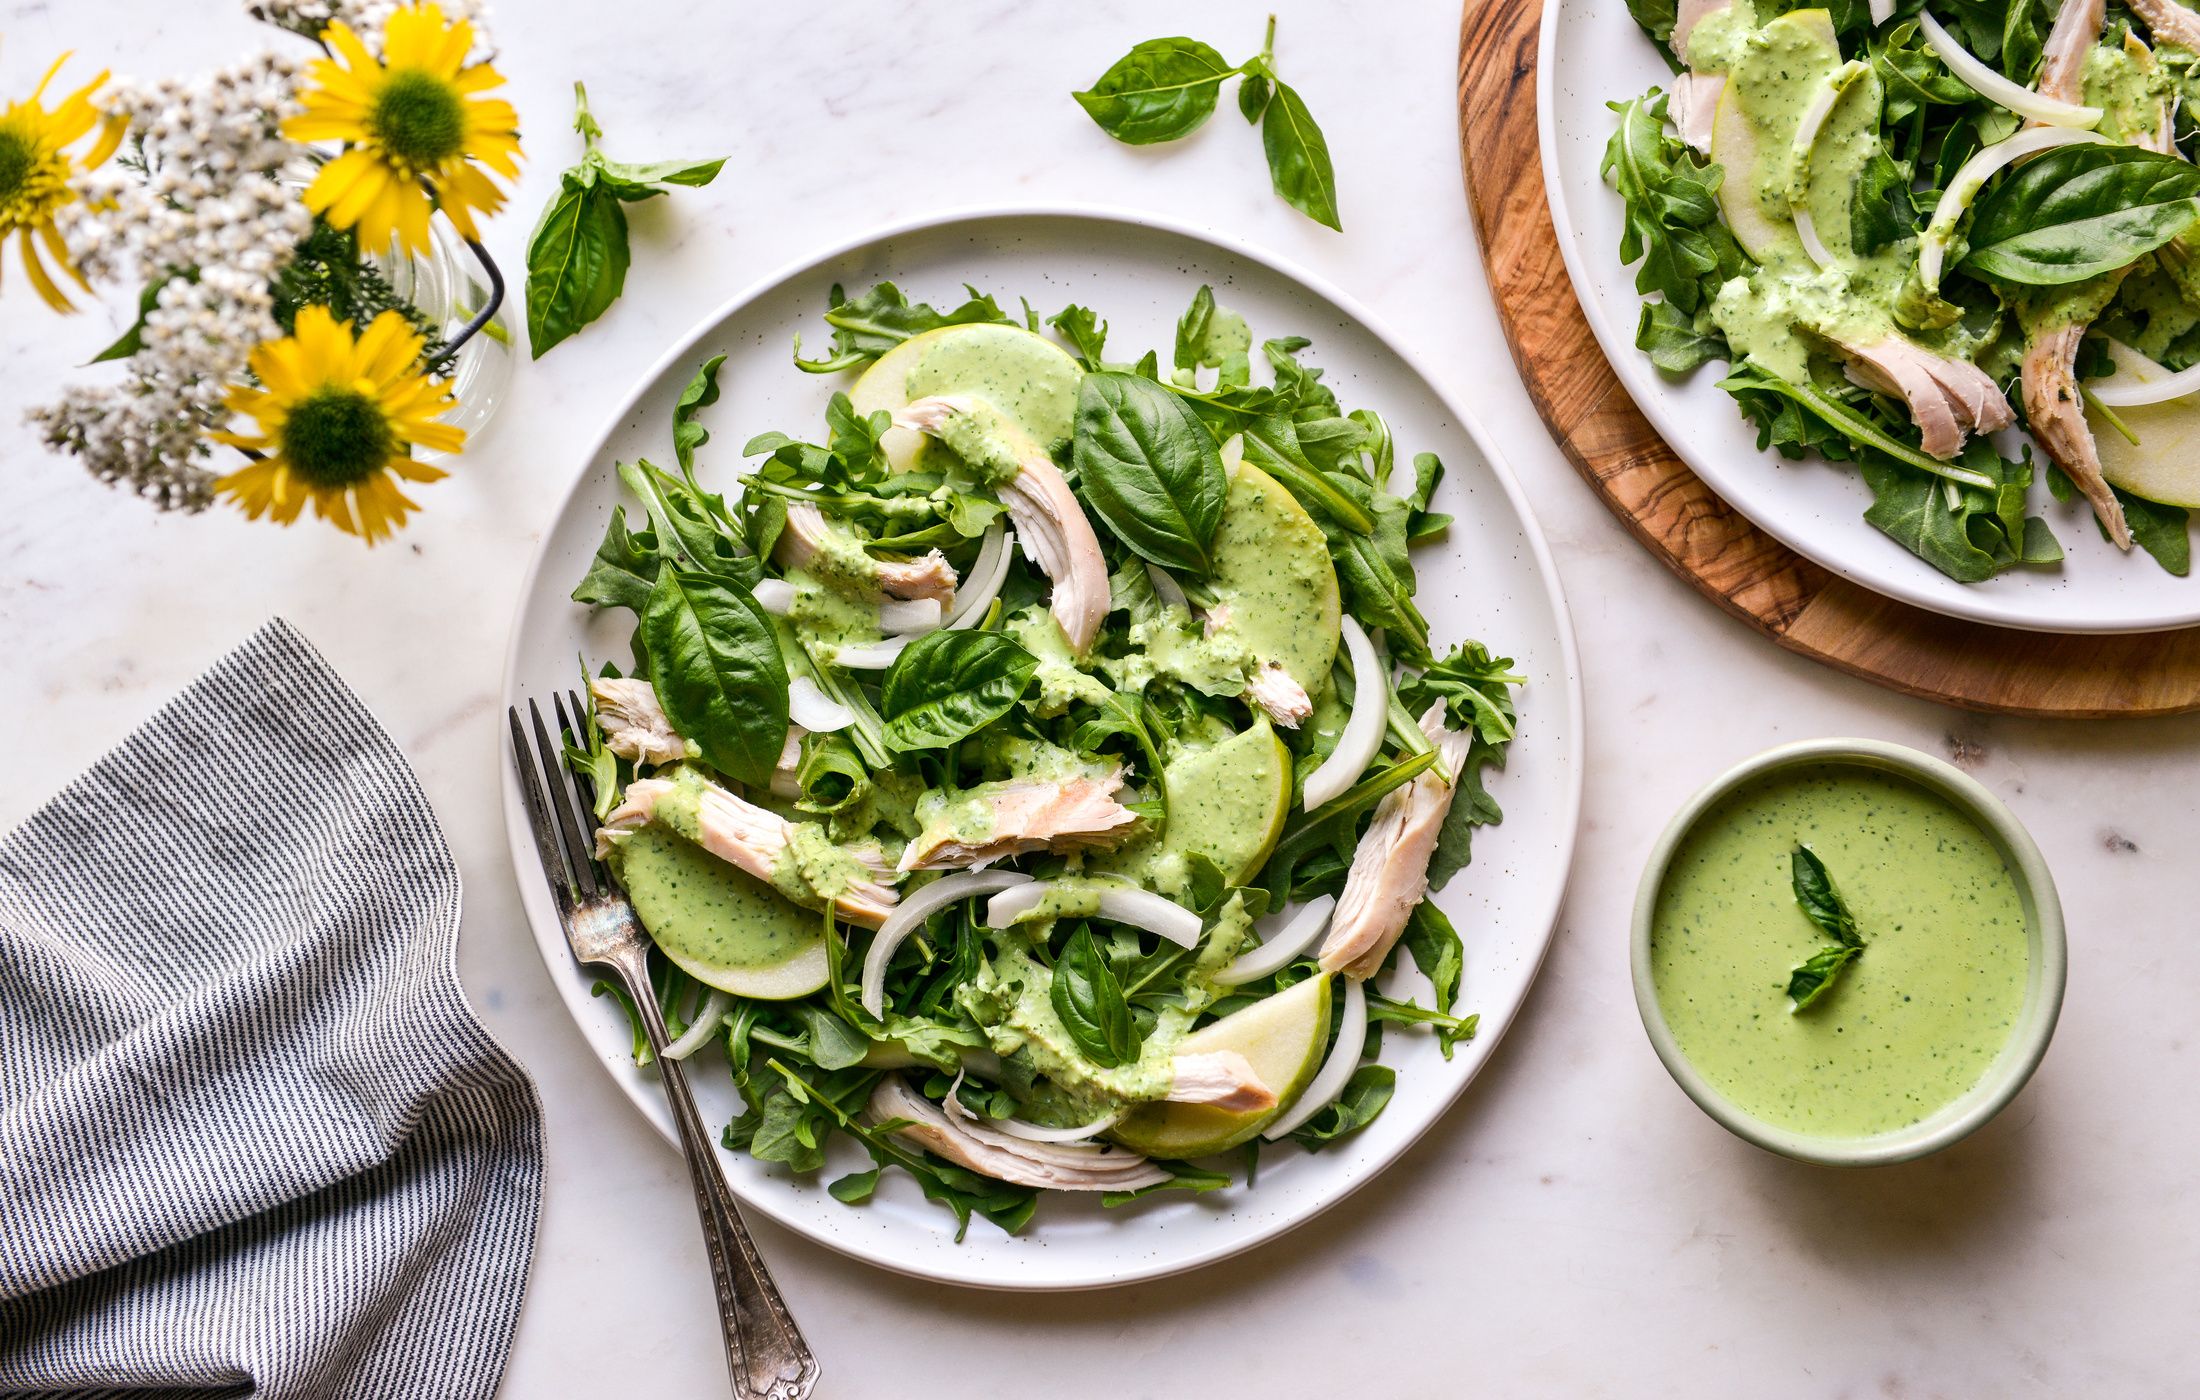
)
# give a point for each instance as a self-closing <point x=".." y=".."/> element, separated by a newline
<point x="2165" y="465"/>
<point x="1028" y="377"/>
<point x="1282" y="1037"/>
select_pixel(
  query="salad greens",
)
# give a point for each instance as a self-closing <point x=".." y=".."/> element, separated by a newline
<point x="1905" y="226"/>
<point x="1164" y="89"/>
<point x="960" y="758"/>
<point x="577" y="256"/>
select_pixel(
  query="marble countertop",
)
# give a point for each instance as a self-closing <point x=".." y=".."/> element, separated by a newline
<point x="1574" y="1226"/>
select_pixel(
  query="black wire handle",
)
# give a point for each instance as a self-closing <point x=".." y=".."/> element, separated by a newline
<point x="481" y="318"/>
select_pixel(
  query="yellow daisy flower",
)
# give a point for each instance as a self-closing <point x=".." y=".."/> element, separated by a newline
<point x="35" y="167"/>
<point x="336" y="421"/>
<point x="413" y="124"/>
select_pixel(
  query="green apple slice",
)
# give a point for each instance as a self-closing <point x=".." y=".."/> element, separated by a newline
<point x="1753" y="140"/>
<point x="1026" y="376"/>
<point x="1227" y="802"/>
<point x="1282" y="1037"/>
<point x="716" y="923"/>
<point x="1273" y="572"/>
<point x="2165" y="464"/>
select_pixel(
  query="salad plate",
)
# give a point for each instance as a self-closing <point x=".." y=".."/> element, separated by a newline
<point x="1487" y="576"/>
<point x="1593" y="55"/>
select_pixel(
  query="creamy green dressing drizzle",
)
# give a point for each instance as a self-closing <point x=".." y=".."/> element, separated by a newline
<point x="1913" y="1022"/>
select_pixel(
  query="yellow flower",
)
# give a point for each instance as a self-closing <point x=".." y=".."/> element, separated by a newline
<point x="35" y="166"/>
<point x="336" y="420"/>
<point x="412" y="119"/>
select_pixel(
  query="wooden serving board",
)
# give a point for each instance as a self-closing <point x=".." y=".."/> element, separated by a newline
<point x="1793" y="601"/>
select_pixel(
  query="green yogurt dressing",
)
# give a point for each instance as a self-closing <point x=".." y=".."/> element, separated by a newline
<point x="1913" y="1022"/>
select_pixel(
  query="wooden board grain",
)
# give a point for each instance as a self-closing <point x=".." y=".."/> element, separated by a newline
<point x="1681" y="521"/>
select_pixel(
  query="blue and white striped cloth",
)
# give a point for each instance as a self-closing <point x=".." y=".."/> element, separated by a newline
<point x="252" y="1139"/>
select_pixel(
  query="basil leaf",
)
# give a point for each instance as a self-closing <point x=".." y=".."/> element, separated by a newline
<point x="1298" y="157"/>
<point x="687" y="434"/>
<point x="624" y="570"/>
<point x="1813" y="978"/>
<point x="1090" y="1003"/>
<point x="949" y="684"/>
<point x="1150" y="468"/>
<point x="1254" y="94"/>
<point x="638" y="182"/>
<point x="576" y="261"/>
<point x="718" y="671"/>
<point x="1821" y="902"/>
<point x="2080" y="211"/>
<point x="1159" y="91"/>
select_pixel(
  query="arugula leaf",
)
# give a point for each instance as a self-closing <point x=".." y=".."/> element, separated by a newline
<point x="1089" y="1001"/>
<point x="1670" y="196"/>
<point x="2160" y="530"/>
<point x="1150" y="469"/>
<point x="855" y="1188"/>
<point x="1675" y="341"/>
<point x="687" y="434"/>
<point x="577" y="256"/>
<point x="718" y="672"/>
<point x="1476" y="689"/>
<point x="2079" y="211"/>
<point x="882" y="318"/>
<point x="1298" y="157"/>
<point x="1813" y="978"/>
<point x="1821" y="902"/>
<point x="1213" y="337"/>
<point x="1437" y="950"/>
<point x="1181" y="1178"/>
<point x="1161" y="90"/>
<point x="1450" y="1029"/>
<point x="1366" y="1094"/>
<point x="624" y="569"/>
<point x="947" y="685"/>
<point x="1880" y="210"/>
<point x="1082" y="328"/>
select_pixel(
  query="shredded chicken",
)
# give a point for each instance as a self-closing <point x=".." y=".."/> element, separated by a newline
<point x="2062" y="62"/>
<point x="1283" y="699"/>
<point x="1050" y="525"/>
<point x="1059" y="1166"/>
<point x="1948" y="399"/>
<point x="1692" y="105"/>
<point x="2168" y="21"/>
<point x="1080" y="814"/>
<point x="1687" y="15"/>
<point x="1389" y="873"/>
<point x="1221" y="1079"/>
<point x="634" y="725"/>
<point x="747" y="836"/>
<point x="809" y="536"/>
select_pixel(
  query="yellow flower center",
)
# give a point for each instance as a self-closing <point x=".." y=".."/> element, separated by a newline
<point x="33" y="180"/>
<point x="337" y="436"/>
<point x="418" y="118"/>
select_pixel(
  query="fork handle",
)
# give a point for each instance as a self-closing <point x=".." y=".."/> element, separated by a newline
<point x="765" y="1353"/>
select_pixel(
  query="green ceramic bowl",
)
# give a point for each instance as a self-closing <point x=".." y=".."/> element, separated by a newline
<point x="2043" y="991"/>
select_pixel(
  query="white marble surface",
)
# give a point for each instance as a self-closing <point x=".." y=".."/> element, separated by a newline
<point x="1574" y="1226"/>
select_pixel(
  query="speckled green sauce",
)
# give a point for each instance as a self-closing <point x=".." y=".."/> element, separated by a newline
<point x="704" y="911"/>
<point x="1914" y="1021"/>
<point x="1028" y="378"/>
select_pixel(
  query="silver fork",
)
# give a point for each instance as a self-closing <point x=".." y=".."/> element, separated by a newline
<point x="765" y="1353"/>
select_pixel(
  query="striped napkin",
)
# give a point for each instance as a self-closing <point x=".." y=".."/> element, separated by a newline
<point x="252" y="1139"/>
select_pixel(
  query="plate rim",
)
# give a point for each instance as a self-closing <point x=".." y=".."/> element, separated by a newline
<point x="571" y="982"/>
<point x="1931" y="592"/>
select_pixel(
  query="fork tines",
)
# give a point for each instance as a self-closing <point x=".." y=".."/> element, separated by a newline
<point x="560" y="807"/>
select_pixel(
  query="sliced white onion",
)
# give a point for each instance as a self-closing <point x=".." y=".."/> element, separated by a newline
<point x="875" y="657"/>
<point x="1336" y="1071"/>
<point x="1126" y="904"/>
<point x="1986" y="82"/>
<point x="1276" y="952"/>
<point x="703" y="1028"/>
<point x="1806" y="139"/>
<point x="1807" y="229"/>
<point x="774" y="595"/>
<point x="909" y="916"/>
<point x="910" y="615"/>
<point x="814" y="710"/>
<point x="1881" y="11"/>
<point x="1029" y="1132"/>
<point x="1363" y="732"/>
<point x="2127" y="390"/>
<point x="987" y="573"/>
<point x="1167" y="588"/>
<point x="1233" y="451"/>
<point x="1971" y="177"/>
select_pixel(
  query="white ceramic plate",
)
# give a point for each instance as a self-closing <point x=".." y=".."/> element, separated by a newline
<point x="1594" y="53"/>
<point x="1494" y="580"/>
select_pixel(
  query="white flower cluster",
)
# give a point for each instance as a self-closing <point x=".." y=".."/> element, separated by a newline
<point x="199" y="209"/>
<point x="368" y="18"/>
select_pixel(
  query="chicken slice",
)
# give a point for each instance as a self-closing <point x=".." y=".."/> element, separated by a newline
<point x="968" y="1142"/>
<point x="1049" y="523"/>
<point x="2057" y="415"/>
<point x="1948" y="399"/>
<point x="812" y="543"/>
<point x="634" y="724"/>
<point x="1020" y="816"/>
<point x="2062" y="64"/>
<point x="1221" y="1079"/>
<point x="745" y="835"/>
<point x="2168" y="21"/>
<point x="1692" y="105"/>
<point x="1687" y="15"/>
<point x="1389" y="872"/>
<point x="1280" y="697"/>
